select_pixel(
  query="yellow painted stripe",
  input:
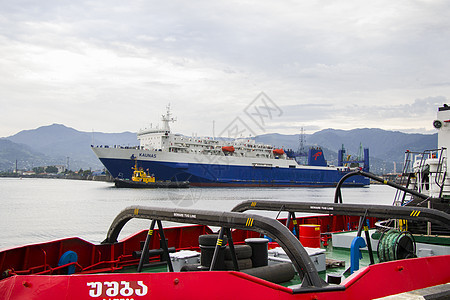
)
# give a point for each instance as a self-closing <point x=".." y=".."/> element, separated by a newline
<point x="136" y="211"/>
<point x="150" y="232"/>
<point x="249" y="222"/>
<point x="294" y="222"/>
<point x="219" y="242"/>
<point x="415" y="213"/>
<point x="385" y="182"/>
<point x="253" y="204"/>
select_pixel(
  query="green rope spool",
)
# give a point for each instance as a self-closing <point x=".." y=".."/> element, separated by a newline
<point x="394" y="245"/>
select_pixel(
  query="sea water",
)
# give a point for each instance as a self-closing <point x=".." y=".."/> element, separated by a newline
<point x="38" y="210"/>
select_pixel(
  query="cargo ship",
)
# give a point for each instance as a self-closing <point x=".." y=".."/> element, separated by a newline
<point x="223" y="162"/>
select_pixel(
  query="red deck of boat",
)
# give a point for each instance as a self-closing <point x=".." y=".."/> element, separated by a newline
<point x="28" y="261"/>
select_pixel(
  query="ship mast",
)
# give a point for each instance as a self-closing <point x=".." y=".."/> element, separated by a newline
<point x="301" y="142"/>
<point x="167" y="118"/>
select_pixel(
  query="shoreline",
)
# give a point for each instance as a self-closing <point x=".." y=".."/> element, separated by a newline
<point x="106" y="178"/>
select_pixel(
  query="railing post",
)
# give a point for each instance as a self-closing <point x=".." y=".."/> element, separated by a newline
<point x="144" y="255"/>
<point x="163" y="243"/>
<point x="217" y="249"/>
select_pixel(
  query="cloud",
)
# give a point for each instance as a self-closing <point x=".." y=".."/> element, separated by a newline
<point x="416" y="117"/>
<point x="110" y="65"/>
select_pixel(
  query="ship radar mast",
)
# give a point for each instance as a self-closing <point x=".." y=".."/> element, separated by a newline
<point x="301" y="142"/>
<point x="167" y="118"/>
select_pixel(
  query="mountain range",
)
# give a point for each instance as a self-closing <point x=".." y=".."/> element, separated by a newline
<point x="60" y="145"/>
<point x="57" y="145"/>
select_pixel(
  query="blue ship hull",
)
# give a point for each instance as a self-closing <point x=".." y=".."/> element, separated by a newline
<point x="234" y="176"/>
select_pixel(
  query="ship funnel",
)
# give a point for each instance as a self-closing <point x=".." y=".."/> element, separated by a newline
<point x="316" y="158"/>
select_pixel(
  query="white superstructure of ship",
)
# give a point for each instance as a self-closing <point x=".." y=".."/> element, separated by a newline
<point x="427" y="171"/>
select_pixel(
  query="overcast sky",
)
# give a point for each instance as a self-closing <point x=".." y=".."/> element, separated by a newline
<point x="113" y="66"/>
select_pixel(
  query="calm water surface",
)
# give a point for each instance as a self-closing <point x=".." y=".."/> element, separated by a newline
<point x="38" y="210"/>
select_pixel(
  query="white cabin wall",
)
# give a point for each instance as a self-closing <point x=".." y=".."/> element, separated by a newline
<point x="444" y="131"/>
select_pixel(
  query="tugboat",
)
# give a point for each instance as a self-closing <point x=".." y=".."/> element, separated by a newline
<point x="195" y="262"/>
<point x="141" y="179"/>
